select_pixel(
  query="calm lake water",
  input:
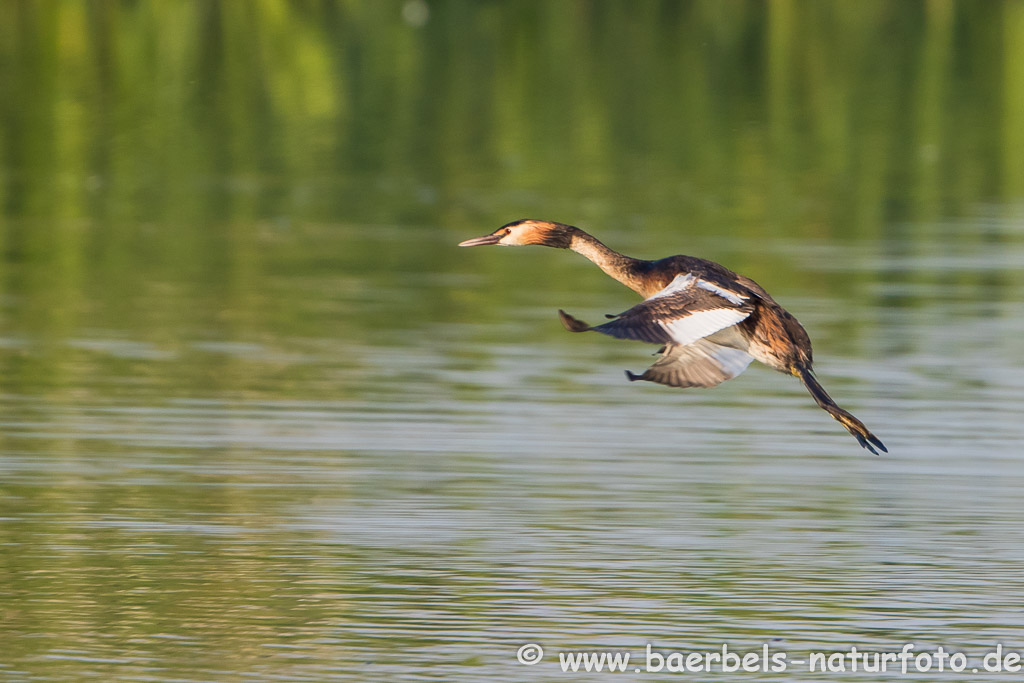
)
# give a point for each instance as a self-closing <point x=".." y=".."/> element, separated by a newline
<point x="261" y="419"/>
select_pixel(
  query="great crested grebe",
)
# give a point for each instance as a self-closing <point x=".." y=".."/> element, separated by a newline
<point x="710" y="321"/>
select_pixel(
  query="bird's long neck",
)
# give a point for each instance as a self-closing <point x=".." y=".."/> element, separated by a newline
<point x="622" y="268"/>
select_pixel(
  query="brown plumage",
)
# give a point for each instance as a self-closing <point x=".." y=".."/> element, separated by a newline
<point x="710" y="321"/>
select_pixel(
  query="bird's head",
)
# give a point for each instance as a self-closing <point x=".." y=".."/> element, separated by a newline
<point x="520" y="233"/>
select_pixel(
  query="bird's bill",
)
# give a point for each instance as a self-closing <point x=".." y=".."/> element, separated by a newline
<point x="481" y="241"/>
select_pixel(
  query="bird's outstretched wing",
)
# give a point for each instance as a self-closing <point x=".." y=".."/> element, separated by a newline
<point x="688" y="309"/>
<point x="681" y="317"/>
<point x="700" y="364"/>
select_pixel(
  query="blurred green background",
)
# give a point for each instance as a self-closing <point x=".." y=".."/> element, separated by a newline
<point x="172" y="163"/>
<point x="260" y="417"/>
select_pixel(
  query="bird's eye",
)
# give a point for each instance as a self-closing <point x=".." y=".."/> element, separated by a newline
<point x="508" y="231"/>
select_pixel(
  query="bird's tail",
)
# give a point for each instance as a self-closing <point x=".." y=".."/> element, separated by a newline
<point x="863" y="435"/>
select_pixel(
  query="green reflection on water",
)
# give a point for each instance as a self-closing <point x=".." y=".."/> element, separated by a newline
<point x="193" y="151"/>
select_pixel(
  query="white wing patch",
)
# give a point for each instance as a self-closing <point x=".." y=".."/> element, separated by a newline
<point x="701" y="364"/>
<point x="687" y="280"/>
<point x="700" y="324"/>
<point x="732" y="361"/>
<point x="730" y="296"/>
<point x="687" y="309"/>
<point x="695" y="320"/>
<point x="678" y="284"/>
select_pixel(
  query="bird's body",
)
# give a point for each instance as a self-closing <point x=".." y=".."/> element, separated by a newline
<point x="710" y="321"/>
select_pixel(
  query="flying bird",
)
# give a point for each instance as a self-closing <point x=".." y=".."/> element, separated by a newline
<point x="710" y="322"/>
